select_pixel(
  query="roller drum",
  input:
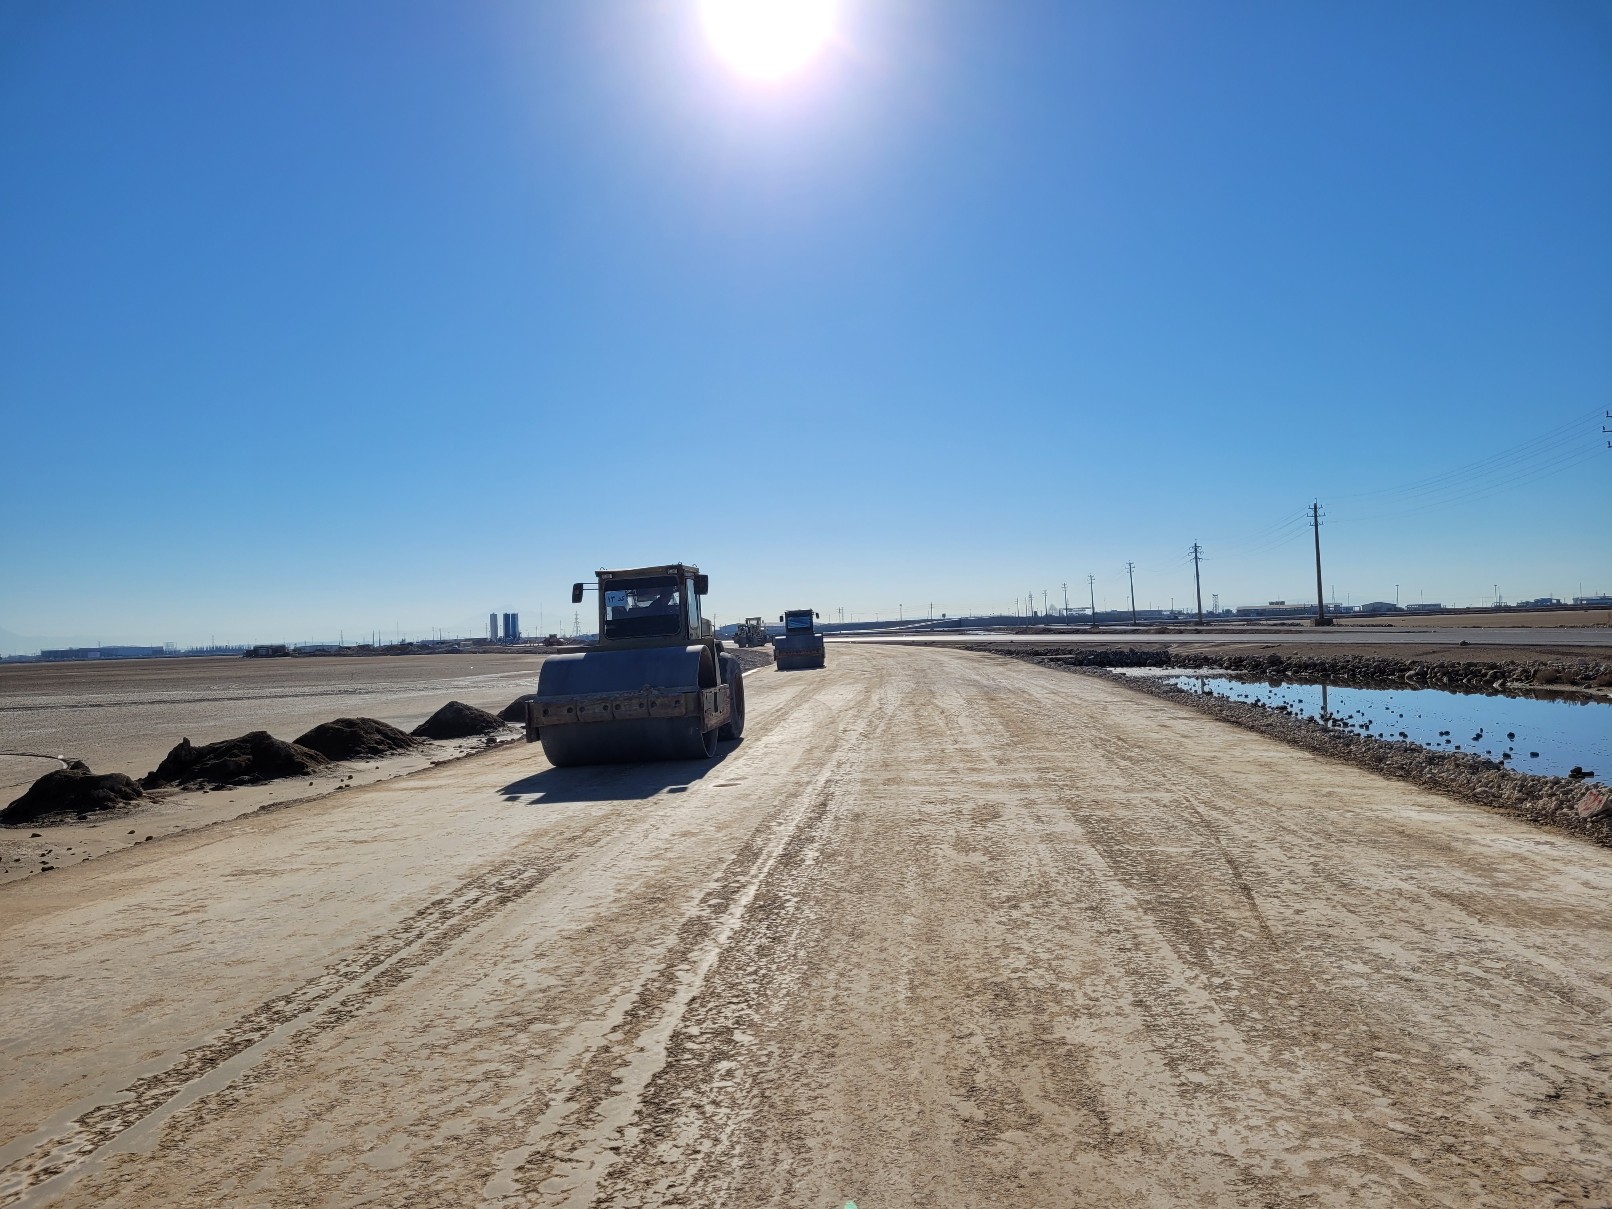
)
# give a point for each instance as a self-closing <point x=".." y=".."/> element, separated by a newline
<point x="673" y="669"/>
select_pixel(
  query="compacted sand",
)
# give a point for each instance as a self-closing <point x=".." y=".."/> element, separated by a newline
<point x="944" y="929"/>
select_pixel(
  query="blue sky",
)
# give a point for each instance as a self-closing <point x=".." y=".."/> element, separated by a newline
<point x="332" y="317"/>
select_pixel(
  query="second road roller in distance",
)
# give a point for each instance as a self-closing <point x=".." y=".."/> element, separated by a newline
<point x="656" y="687"/>
<point x="800" y="646"/>
<point x="752" y="631"/>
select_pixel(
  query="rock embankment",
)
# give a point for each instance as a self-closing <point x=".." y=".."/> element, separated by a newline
<point x="1344" y="669"/>
<point x="751" y="658"/>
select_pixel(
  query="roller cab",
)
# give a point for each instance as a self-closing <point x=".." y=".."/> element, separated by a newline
<point x="657" y="686"/>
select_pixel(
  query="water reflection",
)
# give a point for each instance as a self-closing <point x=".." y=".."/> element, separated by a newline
<point x="1550" y="736"/>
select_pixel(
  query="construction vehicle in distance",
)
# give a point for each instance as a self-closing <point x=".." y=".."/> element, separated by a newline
<point x="657" y="686"/>
<point x="800" y="644"/>
<point x="752" y="631"/>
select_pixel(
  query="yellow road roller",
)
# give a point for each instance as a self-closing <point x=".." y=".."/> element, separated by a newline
<point x="656" y="687"/>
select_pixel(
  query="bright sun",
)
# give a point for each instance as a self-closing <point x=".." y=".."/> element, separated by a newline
<point x="768" y="39"/>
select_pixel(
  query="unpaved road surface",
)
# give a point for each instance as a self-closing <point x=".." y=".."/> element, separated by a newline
<point x="943" y="930"/>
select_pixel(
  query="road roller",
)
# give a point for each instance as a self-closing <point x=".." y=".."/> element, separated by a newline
<point x="801" y="645"/>
<point x="657" y="686"/>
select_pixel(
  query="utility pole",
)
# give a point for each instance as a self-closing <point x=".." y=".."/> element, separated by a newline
<point x="1066" y="601"/>
<point x="1130" y="574"/>
<point x="1321" y="617"/>
<point x="1197" y="553"/>
<point x="1091" y="583"/>
<point x="1043" y="602"/>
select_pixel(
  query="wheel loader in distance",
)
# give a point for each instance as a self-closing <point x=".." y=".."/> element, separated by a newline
<point x="800" y="645"/>
<point x="752" y="631"/>
<point x="656" y="687"/>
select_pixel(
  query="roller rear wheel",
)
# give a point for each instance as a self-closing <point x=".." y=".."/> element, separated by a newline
<point x="733" y="677"/>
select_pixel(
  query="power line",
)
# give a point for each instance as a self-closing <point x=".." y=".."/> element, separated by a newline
<point x="1561" y="436"/>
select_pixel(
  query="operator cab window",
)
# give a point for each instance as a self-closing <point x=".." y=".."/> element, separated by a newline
<point x="647" y="607"/>
<point x="797" y="621"/>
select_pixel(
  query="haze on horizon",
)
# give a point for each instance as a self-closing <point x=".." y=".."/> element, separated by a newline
<point x="324" y="319"/>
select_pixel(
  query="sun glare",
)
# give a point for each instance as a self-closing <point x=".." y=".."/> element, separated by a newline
<point x="768" y="39"/>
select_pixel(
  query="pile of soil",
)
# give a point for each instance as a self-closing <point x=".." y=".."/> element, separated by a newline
<point x="353" y="738"/>
<point x="250" y="759"/>
<point x="515" y="711"/>
<point x="72" y="790"/>
<point x="456" y="720"/>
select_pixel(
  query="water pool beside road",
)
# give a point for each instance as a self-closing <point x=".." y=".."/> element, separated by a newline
<point x="1548" y="736"/>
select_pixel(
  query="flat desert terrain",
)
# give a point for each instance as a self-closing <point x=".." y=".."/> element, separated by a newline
<point x="124" y="715"/>
<point x="943" y="929"/>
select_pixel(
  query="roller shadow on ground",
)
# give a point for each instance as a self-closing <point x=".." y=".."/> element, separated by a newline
<point x="613" y="782"/>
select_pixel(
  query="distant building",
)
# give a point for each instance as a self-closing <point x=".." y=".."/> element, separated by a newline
<point x="492" y="627"/>
<point x="1379" y="606"/>
<point x="512" y="627"/>
<point x="102" y="652"/>
<point x="1427" y="607"/>
<point x="1592" y="600"/>
<point x="1542" y="602"/>
<point x="1275" y="608"/>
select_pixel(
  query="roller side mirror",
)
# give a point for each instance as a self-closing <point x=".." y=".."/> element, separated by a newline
<point x="702" y="585"/>
<point x="576" y="593"/>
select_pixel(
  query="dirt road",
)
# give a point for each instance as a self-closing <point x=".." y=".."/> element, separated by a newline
<point x="943" y="930"/>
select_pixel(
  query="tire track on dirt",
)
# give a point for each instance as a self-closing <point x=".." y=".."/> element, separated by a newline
<point x="1388" y="1082"/>
<point x="334" y="996"/>
<point x="595" y="1119"/>
<point x="706" y="1100"/>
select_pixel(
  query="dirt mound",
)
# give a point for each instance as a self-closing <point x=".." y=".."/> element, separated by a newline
<point x="456" y="720"/>
<point x="515" y="711"/>
<point x="253" y="757"/>
<point x="350" y="738"/>
<point x="71" y="790"/>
